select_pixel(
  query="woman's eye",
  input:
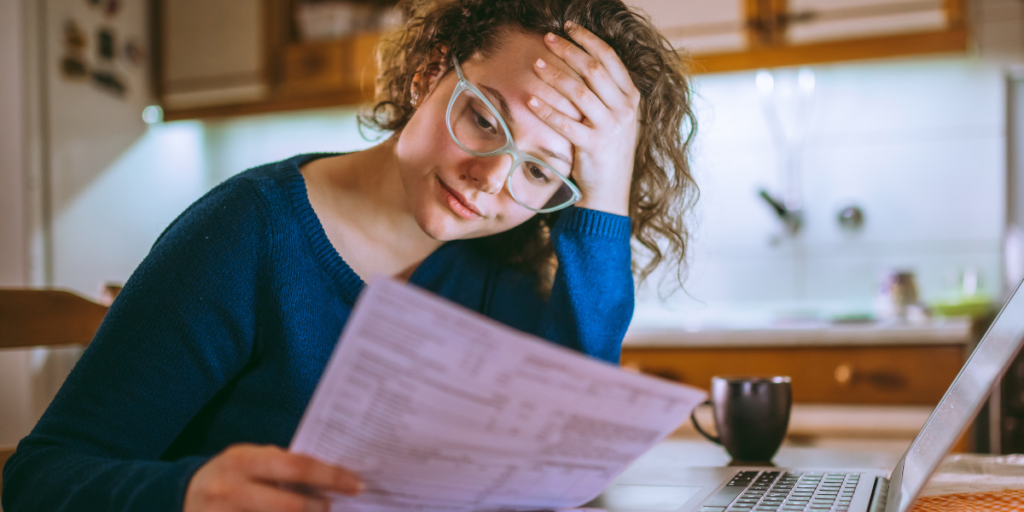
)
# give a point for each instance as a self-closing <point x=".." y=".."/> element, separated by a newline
<point x="482" y="121"/>
<point x="537" y="173"/>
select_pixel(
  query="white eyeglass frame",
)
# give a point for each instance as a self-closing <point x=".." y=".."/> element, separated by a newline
<point x="518" y="156"/>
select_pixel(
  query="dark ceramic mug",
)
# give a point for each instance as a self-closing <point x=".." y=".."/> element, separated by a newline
<point x="751" y="415"/>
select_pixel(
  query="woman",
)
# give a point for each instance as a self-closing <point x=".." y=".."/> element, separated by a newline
<point x="531" y="139"/>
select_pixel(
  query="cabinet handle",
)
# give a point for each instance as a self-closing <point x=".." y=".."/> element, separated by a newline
<point x="846" y="375"/>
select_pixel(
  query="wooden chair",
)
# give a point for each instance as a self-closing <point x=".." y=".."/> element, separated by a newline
<point x="35" y="318"/>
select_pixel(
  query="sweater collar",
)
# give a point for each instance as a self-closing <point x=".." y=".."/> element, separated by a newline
<point x="350" y="284"/>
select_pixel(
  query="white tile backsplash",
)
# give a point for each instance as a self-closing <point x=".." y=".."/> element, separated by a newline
<point x="918" y="144"/>
<point x="105" y="228"/>
<point x="900" y="98"/>
<point x="943" y="190"/>
<point x="238" y="144"/>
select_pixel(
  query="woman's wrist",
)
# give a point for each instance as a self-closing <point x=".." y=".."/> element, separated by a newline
<point x="587" y="221"/>
<point x="617" y="203"/>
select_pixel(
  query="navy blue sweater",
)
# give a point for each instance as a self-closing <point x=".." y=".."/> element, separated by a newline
<point x="223" y="331"/>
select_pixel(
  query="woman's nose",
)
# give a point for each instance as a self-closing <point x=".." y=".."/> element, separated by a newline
<point x="488" y="174"/>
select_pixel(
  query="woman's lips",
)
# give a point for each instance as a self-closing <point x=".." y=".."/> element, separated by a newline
<point x="459" y="204"/>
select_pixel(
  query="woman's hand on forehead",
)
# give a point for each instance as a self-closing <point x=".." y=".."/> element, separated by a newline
<point x="598" y="84"/>
<point x="554" y="98"/>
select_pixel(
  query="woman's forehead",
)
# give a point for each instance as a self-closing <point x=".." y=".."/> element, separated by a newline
<point x="515" y="56"/>
<point x="508" y="80"/>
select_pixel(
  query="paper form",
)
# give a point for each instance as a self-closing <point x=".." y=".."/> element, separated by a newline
<point x="440" y="408"/>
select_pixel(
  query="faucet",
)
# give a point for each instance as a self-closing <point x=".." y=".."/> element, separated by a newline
<point x="792" y="218"/>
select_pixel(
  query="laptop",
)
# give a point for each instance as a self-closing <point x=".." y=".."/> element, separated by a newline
<point x="770" y="489"/>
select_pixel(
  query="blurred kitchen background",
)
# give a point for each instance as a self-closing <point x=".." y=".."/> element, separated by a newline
<point x="861" y="209"/>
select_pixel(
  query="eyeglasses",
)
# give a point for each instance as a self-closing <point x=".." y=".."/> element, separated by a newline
<point x="479" y="130"/>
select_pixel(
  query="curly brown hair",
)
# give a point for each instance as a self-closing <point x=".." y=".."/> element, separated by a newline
<point x="663" y="191"/>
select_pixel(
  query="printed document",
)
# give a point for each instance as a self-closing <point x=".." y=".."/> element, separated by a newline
<point x="439" y="408"/>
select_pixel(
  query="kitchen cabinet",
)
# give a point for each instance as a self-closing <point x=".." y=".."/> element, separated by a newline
<point x="213" y="52"/>
<point x="869" y="375"/>
<point x="223" y="58"/>
<point x="234" y="57"/>
<point x="1010" y="426"/>
<point x="344" y="65"/>
<point x="700" y="26"/>
<point x="879" y="370"/>
<point x="868" y="364"/>
<point x="812" y="21"/>
<point x="750" y="34"/>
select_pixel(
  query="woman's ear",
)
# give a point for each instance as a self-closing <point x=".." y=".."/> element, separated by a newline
<point x="428" y="75"/>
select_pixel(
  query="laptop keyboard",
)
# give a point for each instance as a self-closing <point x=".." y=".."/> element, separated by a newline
<point x="784" y="491"/>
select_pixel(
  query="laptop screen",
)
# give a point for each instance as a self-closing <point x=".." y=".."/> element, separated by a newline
<point x="960" y="405"/>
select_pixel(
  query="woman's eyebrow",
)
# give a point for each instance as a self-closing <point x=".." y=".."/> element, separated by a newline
<point x="558" y="156"/>
<point x="506" y="113"/>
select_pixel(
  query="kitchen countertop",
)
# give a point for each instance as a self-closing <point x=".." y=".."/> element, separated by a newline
<point x="662" y="332"/>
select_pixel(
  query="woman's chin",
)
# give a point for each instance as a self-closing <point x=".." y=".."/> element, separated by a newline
<point x="441" y="227"/>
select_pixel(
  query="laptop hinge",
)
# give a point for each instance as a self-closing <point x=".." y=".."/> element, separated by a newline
<point x="879" y="495"/>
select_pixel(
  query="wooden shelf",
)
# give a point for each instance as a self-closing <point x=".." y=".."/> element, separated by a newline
<point x="947" y="41"/>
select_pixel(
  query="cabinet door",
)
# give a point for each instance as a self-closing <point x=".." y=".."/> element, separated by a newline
<point x="869" y="375"/>
<point x="699" y="26"/>
<point x="812" y="21"/>
<point x="214" y="52"/>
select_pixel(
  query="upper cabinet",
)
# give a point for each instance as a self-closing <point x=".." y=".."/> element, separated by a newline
<point x="700" y="26"/>
<point x="222" y="58"/>
<point x="213" y="52"/>
<point x="232" y="57"/>
<point x="813" y="21"/>
<point x="748" y="34"/>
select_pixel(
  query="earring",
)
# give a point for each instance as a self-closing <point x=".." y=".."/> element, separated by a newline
<point x="415" y="98"/>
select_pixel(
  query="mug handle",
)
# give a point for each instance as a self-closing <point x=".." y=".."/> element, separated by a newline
<point x="693" y="419"/>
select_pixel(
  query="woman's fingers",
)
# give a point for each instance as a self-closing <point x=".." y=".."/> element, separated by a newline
<point x="273" y="464"/>
<point x="558" y="100"/>
<point x="592" y="72"/>
<point x="574" y="89"/>
<point x="598" y="49"/>
<point x="255" y="497"/>
<point x="265" y="478"/>
<point x="586" y="71"/>
<point x="575" y="132"/>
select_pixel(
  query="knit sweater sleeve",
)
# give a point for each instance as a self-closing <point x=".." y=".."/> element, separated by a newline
<point x="591" y="301"/>
<point x="181" y="329"/>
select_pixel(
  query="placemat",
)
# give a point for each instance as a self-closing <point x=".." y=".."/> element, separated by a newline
<point x="998" y="501"/>
<point x="970" y="482"/>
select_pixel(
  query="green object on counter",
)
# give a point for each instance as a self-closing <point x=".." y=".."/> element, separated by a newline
<point x="854" y="318"/>
<point x="970" y="305"/>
